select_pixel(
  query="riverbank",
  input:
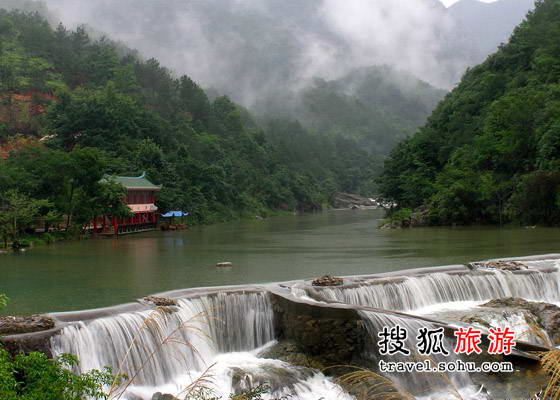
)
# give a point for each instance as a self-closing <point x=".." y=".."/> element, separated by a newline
<point x="28" y="241"/>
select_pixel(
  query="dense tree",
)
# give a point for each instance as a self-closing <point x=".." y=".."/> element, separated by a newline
<point x="17" y="212"/>
<point x="99" y="109"/>
<point x="490" y="151"/>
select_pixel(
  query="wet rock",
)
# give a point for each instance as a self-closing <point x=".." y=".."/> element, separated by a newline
<point x="323" y="335"/>
<point x="25" y="324"/>
<point x="328" y="280"/>
<point x="160" y="396"/>
<point x="501" y="265"/>
<point x="508" y="302"/>
<point x="224" y="264"/>
<point x="546" y="315"/>
<point x="390" y="225"/>
<point x="475" y="320"/>
<point x="272" y="377"/>
<point x="353" y="201"/>
<point x="419" y="217"/>
<point x="160" y="301"/>
<point x="293" y="354"/>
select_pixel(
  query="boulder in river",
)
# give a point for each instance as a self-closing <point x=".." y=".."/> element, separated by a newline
<point x="160" y="301"/>
<point x="224" y="264"/>
<point x="328" y="280"/>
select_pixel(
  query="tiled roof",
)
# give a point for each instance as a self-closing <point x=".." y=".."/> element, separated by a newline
<point x="134" y="182"/>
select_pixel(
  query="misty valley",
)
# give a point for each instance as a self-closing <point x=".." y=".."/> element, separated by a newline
<point x="240" y="200"/>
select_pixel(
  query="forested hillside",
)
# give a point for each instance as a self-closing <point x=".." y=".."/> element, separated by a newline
<point x="490" y="151"/>
<point x="73" y="109"/>
<point x="377" y="106"/>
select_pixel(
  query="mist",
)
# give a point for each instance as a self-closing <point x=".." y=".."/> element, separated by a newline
<point x="247" y="49"/>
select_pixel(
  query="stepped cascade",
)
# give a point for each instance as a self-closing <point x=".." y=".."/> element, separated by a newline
<point x="411" y="293"/>
<point x="230" y="330"/>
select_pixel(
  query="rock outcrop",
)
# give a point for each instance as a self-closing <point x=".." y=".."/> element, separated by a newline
<point x="501" y="265"/>
<point x="328" y="280"/>
<point x="160" y="301"/>
<point x="348" y="200"/>
<point x="313" y="335"/>
<point x="25" y="324"/>
<point x="547" y="315"/>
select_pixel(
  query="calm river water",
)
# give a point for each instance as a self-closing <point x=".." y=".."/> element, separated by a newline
<point x="107" y="271"/>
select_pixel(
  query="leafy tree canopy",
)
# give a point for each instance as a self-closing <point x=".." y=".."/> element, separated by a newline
<point x="490" y="151"/>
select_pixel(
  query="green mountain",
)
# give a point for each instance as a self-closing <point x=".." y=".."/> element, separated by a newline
<point x="73" y="108"/>
<point x="377" y="106"/>
<point x="490" y="151"/>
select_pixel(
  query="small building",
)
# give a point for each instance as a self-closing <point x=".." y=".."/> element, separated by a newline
<point x="141" y="198"/>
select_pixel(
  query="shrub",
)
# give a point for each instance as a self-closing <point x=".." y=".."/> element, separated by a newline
<point x="34" y="376"/>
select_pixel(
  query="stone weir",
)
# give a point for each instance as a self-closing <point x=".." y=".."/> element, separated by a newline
<point x="311" y="327"/>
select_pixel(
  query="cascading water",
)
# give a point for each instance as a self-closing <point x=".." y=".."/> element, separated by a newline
<point x="167" y="349"/>
<point x="156" y="346"/>
<point x="436" y="385"/>
<point x="415" y="292"/>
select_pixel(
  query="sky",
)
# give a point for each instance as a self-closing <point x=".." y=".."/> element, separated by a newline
<point x="251" y="49"/>
<point x="448" y="3"/>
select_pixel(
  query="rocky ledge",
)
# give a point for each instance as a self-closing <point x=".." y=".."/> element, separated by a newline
<point x="349" y="200"/>
<point x="160" y="301"/>
<point x="546" y="315"/>
<point x="501" y="265"/>
<point x="34" y="323"/>
<point x="328" y="280"/>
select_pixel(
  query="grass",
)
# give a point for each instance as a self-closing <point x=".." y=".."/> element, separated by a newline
<point x="534" y="329"/>
<point x="368" y="385"/>
<point x="550" y="362"/>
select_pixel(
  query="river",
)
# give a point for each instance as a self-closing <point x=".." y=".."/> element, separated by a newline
<point x="106" y="271"/>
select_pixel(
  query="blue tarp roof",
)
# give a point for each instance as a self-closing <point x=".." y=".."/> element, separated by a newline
<point x="175" y="214"/>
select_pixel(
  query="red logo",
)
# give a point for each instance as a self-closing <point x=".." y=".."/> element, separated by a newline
<point x="468" y="341"/>
<point x="501" y="342"/>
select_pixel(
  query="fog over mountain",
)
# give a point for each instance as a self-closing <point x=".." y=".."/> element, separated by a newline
<point x="255" y="50"/>
<point x="484" y="26"/>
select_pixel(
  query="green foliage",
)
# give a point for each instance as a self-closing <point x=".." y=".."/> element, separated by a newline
<point x="34" y="376"/>
<point x="490" y="151"/>
<point x="17" y="212"/>
<point x="108" y="112"/>
<point x="3" y="301"/>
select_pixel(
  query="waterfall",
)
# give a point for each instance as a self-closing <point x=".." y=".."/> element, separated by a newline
<point x="167" y="349"/>
<point x="419" y="384"/>
<point x="156" y="347"/>
<point x="415" y="292"/>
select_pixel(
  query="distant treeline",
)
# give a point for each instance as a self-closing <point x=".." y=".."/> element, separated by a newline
<point x="73" y="109"/>
<point x="490" y="152"/>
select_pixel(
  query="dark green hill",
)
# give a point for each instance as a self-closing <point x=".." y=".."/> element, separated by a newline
<point x="490" y="151"/>
<point x="74" y="108"/>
